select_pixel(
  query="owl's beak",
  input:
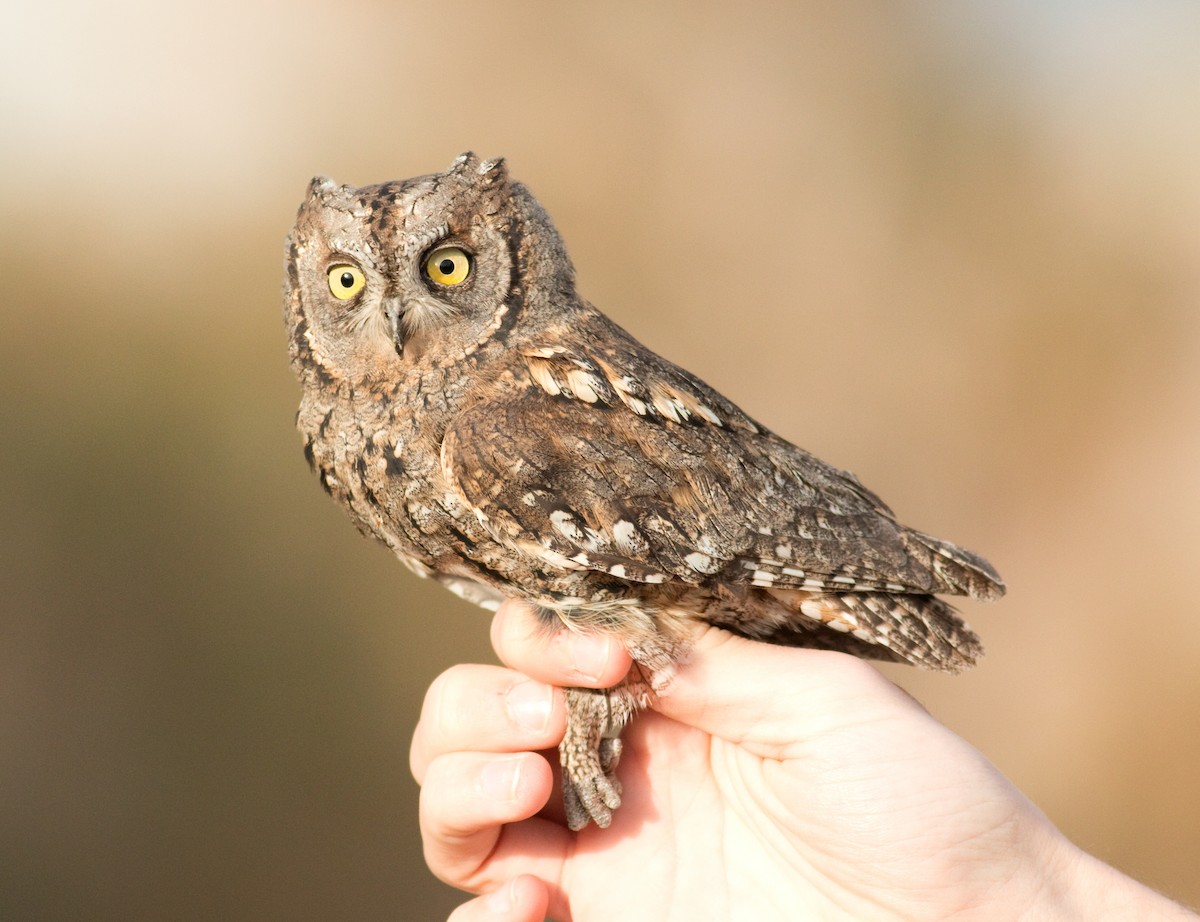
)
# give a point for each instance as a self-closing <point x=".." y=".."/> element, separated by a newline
<point x="394" y="308"/>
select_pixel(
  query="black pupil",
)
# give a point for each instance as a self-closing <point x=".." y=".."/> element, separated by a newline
<point x="446" y="266"/>
<point x="347" y="280"/>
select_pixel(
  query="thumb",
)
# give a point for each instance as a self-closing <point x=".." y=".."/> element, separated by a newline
<point x="769" y="697"/>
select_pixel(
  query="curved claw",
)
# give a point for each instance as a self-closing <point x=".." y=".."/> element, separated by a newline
<point x="590" y="752"/>
<point x="591" y="799"/>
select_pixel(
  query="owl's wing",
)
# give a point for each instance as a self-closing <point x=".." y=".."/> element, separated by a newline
<point x="650" y="475"/>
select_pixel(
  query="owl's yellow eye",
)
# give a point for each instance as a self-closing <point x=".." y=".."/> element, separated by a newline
<point x="448" y="266"/>
<point x="346" y="281"/>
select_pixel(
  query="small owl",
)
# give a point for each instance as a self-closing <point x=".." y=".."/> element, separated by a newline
<point x="470" y="410"/>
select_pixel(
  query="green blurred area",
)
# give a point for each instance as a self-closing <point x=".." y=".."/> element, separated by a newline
<point x="950" y="247"/>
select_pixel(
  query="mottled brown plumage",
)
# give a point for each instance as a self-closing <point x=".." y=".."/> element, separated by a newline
<point x="504" y="437"/>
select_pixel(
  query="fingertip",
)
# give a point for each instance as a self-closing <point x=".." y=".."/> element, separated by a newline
<point x="555" y="654"/>
<point x="474" y="708"/>
<point x="527" y="781"/>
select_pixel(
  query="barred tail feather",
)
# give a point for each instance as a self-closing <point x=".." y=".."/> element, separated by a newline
<point x="957" y="571"/>
<point x="918" y="629"/>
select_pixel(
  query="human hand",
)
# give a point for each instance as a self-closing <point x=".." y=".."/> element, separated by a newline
<point x="768" y="783"/>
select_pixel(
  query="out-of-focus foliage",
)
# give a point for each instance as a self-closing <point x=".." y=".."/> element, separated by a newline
<point x="952" y="246"/>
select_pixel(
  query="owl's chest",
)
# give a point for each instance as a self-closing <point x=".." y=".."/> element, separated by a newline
<point x="379" y="460"/>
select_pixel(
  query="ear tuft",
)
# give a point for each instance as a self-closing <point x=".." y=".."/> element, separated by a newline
<point x="320" y="186"/>
<point x="494" y="171"/>
<point x="463" y="162"/>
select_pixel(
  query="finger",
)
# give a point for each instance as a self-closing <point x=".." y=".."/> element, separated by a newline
<point x="772" y="698"/>
<point x="522" y="899"/>
<point x="556" y="655"/>
<point x="466" y="802"/>
<point x="485" y="709"/>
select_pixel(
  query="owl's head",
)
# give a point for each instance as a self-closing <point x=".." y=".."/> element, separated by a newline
<point x="384" y="277"/>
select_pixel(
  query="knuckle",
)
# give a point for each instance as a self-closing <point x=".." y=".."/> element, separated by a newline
<point x="448" y="690"/>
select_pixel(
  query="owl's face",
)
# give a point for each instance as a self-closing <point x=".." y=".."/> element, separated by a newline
<point x="384" y="276"/>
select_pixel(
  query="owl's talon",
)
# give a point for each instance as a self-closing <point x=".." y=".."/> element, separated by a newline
<point x="590" y="798"/>
<point x="590" y="752"/>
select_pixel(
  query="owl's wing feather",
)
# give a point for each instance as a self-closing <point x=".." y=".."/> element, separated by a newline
<point x="648" y="474"/>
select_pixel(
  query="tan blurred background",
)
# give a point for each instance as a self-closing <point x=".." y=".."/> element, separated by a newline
<point x="952" y="246"/>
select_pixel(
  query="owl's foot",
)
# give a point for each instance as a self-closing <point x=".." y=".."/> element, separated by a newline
<point x="590" y="751"/>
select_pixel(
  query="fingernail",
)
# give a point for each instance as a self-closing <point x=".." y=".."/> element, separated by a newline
<point x="589" y="655"/>
<point x="500" y="777"/>
<point x="529" y="704"/>
<point x="502" y="901"/>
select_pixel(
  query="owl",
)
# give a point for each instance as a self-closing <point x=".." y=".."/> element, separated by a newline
<point x="471" y="411"/>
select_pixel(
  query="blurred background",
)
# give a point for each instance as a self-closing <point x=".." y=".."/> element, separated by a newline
<point x="952" y="246"/>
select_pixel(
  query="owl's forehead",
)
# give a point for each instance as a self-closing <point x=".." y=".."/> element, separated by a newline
<point x="386" y="217"/>
<point x="396" y="202"/>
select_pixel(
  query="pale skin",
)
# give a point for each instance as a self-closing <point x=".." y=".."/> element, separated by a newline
<point x="768" y="783"/>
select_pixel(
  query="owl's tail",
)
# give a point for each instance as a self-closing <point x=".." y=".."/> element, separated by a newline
<point x="918" y="629"/>
<point x="914" y="628"/>
<point x="957" y="570"/>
